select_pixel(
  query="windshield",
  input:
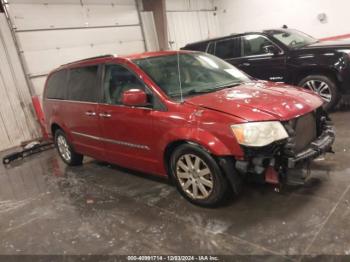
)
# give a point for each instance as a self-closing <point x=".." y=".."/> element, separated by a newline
<point x="187" y="74"/>
<point x="292" y="38"/>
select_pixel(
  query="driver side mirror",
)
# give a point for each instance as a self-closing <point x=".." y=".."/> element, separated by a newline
<point x="270" y="49"/>
<point x="134" y="97"/>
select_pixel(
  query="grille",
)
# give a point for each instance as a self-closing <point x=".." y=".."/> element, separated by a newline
<point x="305" y="131"/>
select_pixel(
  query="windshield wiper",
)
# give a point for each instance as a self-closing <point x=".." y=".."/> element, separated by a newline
<point x="195" y="92"/>
<point x="228" y="85"/>
<point x="205" y="91"/>
<point x="192" y="92"/>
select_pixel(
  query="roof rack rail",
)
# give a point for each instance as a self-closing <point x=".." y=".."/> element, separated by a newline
<point x="90" y="58"/>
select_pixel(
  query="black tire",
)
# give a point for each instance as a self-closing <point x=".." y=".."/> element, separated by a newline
<point x="333" y="89"/>
<point x="75" y="159"/>
<point x="220" y="185"/>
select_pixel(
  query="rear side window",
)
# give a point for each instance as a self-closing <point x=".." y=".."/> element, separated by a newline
<point x="57" y="85"/>
<point x="83" y="84"/>
<point x="228" y="48"/>
<point x="197" y="47"/>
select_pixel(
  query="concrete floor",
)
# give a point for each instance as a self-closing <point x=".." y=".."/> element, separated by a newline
<point x="49" y="208"/>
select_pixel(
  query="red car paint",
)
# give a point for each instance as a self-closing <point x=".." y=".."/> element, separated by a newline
<point x="337" y="37"/>
<point x="40" y="115"/>
<point x="260" y="101"/>
<point x="204" y="119"/>
<point x="134" y="97"/>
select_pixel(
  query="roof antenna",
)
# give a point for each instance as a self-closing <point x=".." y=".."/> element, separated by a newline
<point x="285" y="27"/>
<point x="179" y="73"/>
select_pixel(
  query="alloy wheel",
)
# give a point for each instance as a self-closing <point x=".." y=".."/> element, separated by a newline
<point x="194" y="176"/>
<point x="321" y="88"/>
<point x="63" y="148"/>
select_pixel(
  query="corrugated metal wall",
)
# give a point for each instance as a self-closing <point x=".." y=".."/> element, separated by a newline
<point x="190" y="21"/>
<point x="51" y="33"/>
<point x="17" y="120"/>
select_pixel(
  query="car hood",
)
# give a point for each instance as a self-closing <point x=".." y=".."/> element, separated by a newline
<point x="260" y="101"/>
<point x="330" y="44"/>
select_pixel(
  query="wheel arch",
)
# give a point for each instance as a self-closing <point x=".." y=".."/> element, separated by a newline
<point x="216" y="149"/>
<point x="328" y="72"/>
<point x="225" y="163"/>
<point x="54" y="128"/>
<point x="208" y="141"/>
<point x="170" y="148"/>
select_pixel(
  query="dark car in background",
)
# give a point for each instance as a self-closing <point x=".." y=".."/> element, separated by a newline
<point x="286" y="55"/>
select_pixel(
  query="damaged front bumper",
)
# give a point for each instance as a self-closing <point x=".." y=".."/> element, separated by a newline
<point x="318" y="147"/>
<point x="279" y="161"/>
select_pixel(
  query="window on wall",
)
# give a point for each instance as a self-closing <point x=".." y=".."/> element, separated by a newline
<point x="57" y="85"/>
<point x="83" y="84"/>
<point x="117" y="80"/>
<point x="254" y="45"/>
<point x="228" y="48"/>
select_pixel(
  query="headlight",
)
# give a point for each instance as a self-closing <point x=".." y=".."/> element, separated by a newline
<point x="259" y="133"/>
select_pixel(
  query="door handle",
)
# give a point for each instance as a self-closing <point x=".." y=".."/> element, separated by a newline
<point x="245" y="64"/>
<point x="90" y="113"/>
<point x="105" y="115"/>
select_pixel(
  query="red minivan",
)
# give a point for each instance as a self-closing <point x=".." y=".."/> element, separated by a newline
<point x="187" y="115"/>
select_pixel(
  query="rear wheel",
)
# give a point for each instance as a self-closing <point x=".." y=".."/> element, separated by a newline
<point x="324" y="86"/>
<point x="66" y="151"/>
<point x="198" y="176"/>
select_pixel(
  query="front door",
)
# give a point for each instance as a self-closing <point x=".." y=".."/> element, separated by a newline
<point x="257" y="63"/>
<point x="127" y="132"/>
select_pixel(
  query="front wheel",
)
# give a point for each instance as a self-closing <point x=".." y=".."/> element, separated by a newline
<point x="198" y="176"/>
<point x="324" y="86"/>
<point x="66" y="151"/>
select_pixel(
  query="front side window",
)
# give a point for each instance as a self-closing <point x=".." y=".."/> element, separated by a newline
<point x="119" y="79"/>
<point x="83" y="84"/>
<point x="228" y="48"/>
<point x="292" y="38"/>
<point x="57" y="85"/>
<point x="255" y="45"/>
<point x="188" y="74"/>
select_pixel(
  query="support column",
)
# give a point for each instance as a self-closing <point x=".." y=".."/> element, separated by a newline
<point x="159" y="13"/>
